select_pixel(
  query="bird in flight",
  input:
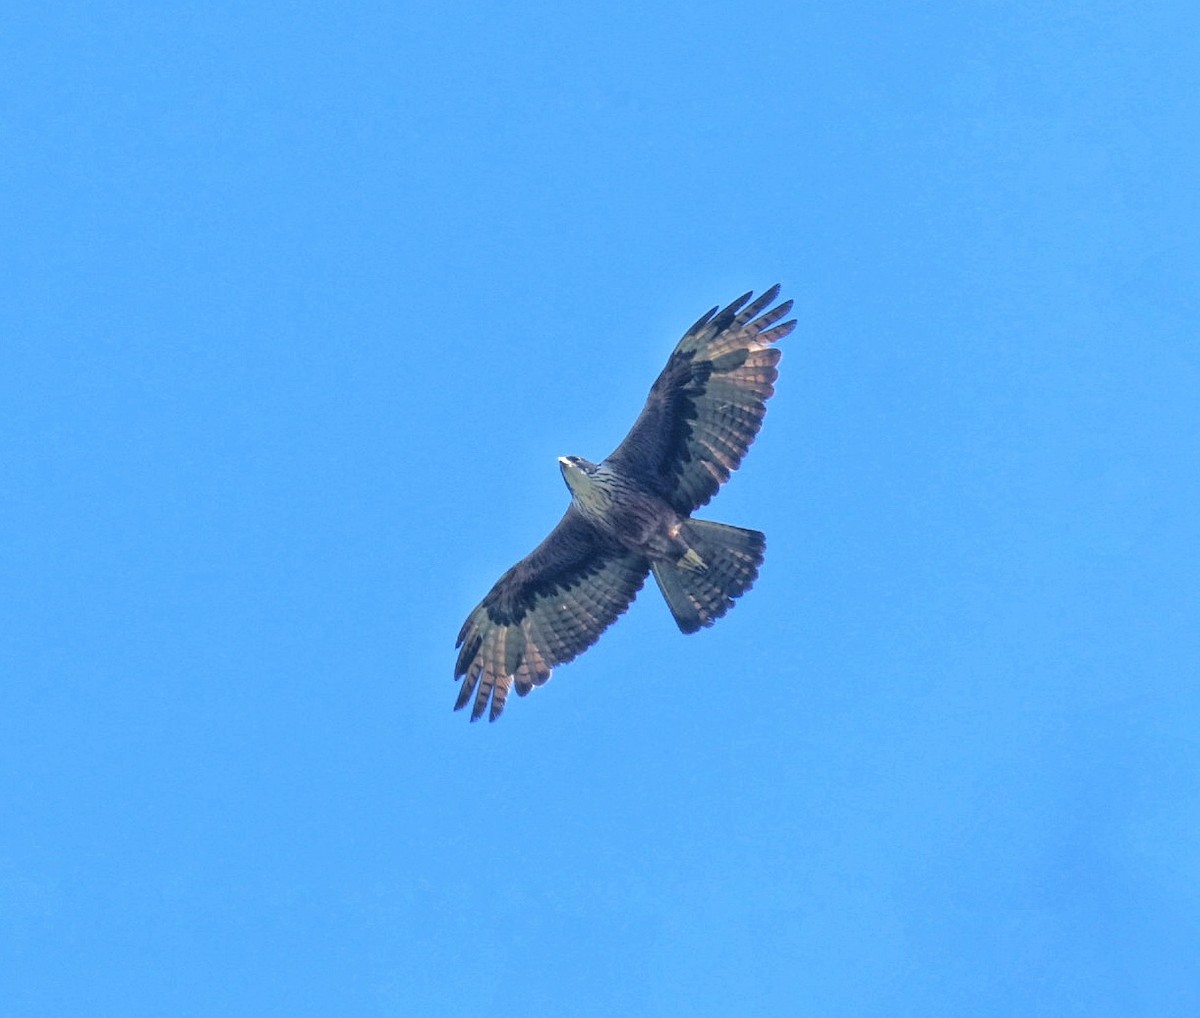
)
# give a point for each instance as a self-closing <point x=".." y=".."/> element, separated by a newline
<point x="630" y="515"/>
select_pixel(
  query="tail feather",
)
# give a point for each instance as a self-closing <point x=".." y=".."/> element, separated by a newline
<point x="699" y="593"/>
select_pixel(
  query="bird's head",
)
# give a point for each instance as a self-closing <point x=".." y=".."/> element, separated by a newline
<point x="577" y="472"/>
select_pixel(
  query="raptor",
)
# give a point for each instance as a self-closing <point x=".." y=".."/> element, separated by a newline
<point x="631" y="515"/>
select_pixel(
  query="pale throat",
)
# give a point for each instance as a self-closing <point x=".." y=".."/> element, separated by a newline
<point x="591" y="490"/>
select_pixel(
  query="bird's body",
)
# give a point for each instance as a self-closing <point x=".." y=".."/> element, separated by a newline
<point x="637" y="519"/>
<point x="631" y="515"/>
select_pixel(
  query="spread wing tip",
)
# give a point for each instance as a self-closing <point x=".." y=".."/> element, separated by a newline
<point x="491" y="696"/>
<point x="702" y="321"/>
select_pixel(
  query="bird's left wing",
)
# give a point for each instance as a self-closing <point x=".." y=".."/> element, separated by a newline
<point x="707" y="405"/>
<point x="549" y="607"/>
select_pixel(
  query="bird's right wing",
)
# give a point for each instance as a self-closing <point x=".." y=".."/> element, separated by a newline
<point x="549" y="607"/>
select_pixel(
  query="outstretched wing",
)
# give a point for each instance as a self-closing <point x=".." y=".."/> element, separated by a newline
<point x="549" y="607"/>
<point x="708" y="404"/>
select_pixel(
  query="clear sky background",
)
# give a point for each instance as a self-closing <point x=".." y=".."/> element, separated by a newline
<point x="298" y="305"/>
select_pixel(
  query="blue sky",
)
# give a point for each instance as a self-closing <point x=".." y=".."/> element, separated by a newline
<point x="298" y="305"/>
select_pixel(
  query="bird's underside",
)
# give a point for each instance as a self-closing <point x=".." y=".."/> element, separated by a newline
<point x="630" y="515"/>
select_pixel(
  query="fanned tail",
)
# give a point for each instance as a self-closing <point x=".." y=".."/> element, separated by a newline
<point x="700" y="592"/>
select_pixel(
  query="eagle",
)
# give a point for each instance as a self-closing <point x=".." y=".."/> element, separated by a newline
<point x="631" y="514"/>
